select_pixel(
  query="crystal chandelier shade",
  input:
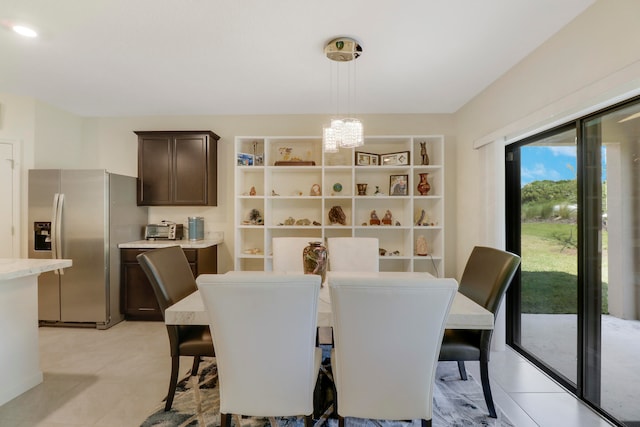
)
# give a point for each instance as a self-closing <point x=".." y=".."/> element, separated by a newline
<point x="343" y="132"/>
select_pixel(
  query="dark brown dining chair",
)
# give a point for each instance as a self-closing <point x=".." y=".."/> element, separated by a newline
<point x="172" y="279"/>
<point x="486" y="278"/>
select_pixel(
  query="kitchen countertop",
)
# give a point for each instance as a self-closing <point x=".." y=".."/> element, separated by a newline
<point x="13" y="268"/>
<point x="215" y="239"/>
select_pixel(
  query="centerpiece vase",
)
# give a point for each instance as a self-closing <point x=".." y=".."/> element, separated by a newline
<point x="315" y="259"/>
<point x="423" y="185"/>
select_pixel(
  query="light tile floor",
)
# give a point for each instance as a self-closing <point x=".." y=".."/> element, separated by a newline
<point x="117" y="377"/>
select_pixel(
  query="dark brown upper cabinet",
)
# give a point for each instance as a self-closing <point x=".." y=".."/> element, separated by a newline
<point x="177" y="168"/>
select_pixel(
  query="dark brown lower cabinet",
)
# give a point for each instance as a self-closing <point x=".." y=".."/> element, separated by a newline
<point x="137" y="300"/>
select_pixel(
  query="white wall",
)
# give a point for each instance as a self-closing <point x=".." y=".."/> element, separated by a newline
<point x="46" y="137"/>
<point x="115" y="148"/>
<point x="593" y="61"/>
<point x="57" y="139"/>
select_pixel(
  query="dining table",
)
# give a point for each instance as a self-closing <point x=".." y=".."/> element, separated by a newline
<point x="464" y="313"/>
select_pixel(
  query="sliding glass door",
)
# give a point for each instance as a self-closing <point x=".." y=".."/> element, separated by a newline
<point x="548" y="237"/>
<point x="573" y="208"/>
<point x="614" y="137"/>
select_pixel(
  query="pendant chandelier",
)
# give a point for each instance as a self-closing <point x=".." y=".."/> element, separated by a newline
<point x="343" y="132"/>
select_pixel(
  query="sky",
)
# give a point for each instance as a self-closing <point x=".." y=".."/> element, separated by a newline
<point x="554" y="163"/>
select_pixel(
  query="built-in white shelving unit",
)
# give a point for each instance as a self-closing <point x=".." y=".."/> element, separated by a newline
<point x="282" y="192"/>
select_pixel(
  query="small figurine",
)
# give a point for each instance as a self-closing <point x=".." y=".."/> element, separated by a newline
<point x="373" y="219"/>
<point x="252" y="192"/>
<point x="378" y="192"/>
<point x="255" y="217"/>
<point x="315" y="190"/>
<point x="387" y="218"/>
<point x="423" y="153"/>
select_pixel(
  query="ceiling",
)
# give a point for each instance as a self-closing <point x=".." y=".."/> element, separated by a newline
<point x="192" y="57"/>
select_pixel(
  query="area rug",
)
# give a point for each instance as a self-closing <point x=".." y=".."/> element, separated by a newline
<point x="456" y="403"/>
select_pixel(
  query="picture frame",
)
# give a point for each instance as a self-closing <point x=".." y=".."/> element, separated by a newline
<point x="399" y="185"/>
<point x="245" y="159"/>
<point x="366" y="159"/>
<point x="400" y="158"/>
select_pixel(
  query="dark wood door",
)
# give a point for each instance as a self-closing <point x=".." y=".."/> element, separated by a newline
<point x="190" y="170"/>
<point x="139" y="300"/>
<point x="154" y="170"/>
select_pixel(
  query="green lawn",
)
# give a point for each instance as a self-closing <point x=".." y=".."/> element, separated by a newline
<point x="549" y="268"/>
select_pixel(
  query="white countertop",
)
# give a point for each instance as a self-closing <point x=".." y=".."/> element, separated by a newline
<point x="215" y="239"/>
<point x="13" y="268"/>
<point x="464" y="314"/>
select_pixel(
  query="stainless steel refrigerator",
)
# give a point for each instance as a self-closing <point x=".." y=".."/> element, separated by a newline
<point x="82" y="215"/>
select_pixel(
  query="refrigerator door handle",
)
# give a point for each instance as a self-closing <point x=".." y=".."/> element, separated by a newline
<point x="56" y="240"/>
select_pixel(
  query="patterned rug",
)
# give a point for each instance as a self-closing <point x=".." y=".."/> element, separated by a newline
<point x="456" y="403"/>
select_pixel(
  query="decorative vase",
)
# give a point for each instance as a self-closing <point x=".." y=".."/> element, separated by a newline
<point x="314" y="259"/>
<point x="423" y="185"/>
<point x="362" y="189"/>
<point x="421" y="246"/>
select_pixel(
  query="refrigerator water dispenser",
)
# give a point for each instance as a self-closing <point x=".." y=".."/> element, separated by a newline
<point x="42" y="236"/>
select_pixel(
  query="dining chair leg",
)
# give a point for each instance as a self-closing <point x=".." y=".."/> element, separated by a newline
<point x="196" y="365"/>
<point x="462" y="370"/>
<point x="486" y="388"/>
<point x="308" y="421"/>
<point x="173" y="381"/>
<point x="426" y="423"/>
<point x="340" y="421"/>
<point x="225" y="420"/>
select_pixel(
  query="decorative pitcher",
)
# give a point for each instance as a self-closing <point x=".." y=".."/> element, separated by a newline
<point x="423" y="185"/>
<point x="315" y="260"/>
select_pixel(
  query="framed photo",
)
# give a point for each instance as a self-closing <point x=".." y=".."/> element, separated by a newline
<point x="245" y="159"/>
<point x="395" y="159"/>
<point x="366" y="159"/>
<point x="399" y="185"/>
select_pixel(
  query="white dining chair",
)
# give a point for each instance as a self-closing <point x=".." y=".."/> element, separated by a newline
<point x="287" y="253"/>
<point x="388" y="329"/>
<point x="263" y="327"/>
<point x="353" y="254"/>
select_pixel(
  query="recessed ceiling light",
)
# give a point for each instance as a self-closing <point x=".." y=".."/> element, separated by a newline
<point x="24" y="31"/>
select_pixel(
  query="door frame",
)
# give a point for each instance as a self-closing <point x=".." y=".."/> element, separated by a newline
<point x="16" y="203"/>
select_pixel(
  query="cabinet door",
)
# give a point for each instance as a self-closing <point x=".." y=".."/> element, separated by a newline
<point x="190" y="170"/>
<point x="154" y="170"/>
<point x="139" y="300"/>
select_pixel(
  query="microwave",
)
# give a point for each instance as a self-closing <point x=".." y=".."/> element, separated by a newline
<point x="164" y="230"/>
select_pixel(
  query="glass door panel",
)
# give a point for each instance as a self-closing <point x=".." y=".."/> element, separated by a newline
<point x="548" y="244"/>
<point x="615" y="137"/>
